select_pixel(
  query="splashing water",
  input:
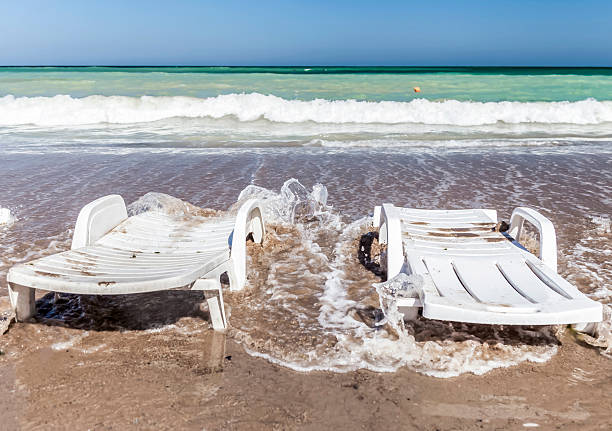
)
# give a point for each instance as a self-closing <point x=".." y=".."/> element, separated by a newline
<point x="400" y="286"/>
<point x="293" y="203"/>
<point x="163" y="203"/>
<point x="6" y="218"/>
<point x="310" y="305"/>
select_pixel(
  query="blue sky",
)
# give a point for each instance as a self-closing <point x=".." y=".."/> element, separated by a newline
<point x="227" y="32"/>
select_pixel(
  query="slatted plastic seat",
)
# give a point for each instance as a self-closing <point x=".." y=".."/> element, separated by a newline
<point x="112" y="254"/>
<point x="473" y="273"/>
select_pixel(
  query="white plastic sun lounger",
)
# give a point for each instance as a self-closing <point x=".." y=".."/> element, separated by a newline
<point x="473" y="273"/>
<point x="112" y="254"/>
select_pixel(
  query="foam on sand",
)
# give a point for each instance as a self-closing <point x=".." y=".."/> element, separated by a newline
<point x="6" y="218"/>
<point x="66" y="110"/>
<point x="604" y="225"/>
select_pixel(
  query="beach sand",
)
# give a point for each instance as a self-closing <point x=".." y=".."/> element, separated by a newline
<point x="169" y="380"/>
<point x="152" y="361"/>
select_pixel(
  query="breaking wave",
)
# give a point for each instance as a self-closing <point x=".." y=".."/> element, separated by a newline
<point x="64" y="110"/>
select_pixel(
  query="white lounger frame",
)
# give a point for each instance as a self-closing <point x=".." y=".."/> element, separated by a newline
<point x="487" y="271"/>
<point x="100" y="217"/>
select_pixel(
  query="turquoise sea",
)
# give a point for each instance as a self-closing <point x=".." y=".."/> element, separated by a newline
<point x="481" y="84"/>
<point x="173" y="108"/>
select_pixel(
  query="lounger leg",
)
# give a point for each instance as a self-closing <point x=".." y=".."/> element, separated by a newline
<point x="587" y="328"/>
<point x="22" y="300"/>
<point x="233" y="282"/>
<point x="214" y="298"/>
<point x="411" y="311"/>
<point x="215" y="308"/>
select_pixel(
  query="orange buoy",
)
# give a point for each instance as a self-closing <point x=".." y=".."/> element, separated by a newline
<point x="417" y="89"/>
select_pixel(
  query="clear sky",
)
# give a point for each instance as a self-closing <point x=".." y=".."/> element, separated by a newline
<point x="313" y="32"/>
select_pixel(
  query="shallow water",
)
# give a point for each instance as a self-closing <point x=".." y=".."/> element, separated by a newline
<point x="309" y="303"/>
<point x="489" y="138"/>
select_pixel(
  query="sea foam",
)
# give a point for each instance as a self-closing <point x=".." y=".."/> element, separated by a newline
<point x="64" y="110"/>
<point x="6" y="218"/>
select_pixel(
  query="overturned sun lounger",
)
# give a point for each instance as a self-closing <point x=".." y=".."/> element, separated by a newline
<point x="473" y="273"/>
<point x="112" y="254"/>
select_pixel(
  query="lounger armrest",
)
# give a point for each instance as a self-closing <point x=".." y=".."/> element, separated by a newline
<point x="249" y="220"/>
<point x="97" y="218"/>
<point x="548" y="239"/>
<point x="390" y="233"/>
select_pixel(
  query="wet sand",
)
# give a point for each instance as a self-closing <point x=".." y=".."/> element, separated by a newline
<point x="152" y="361"/>
<point x="167" y="381"/>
